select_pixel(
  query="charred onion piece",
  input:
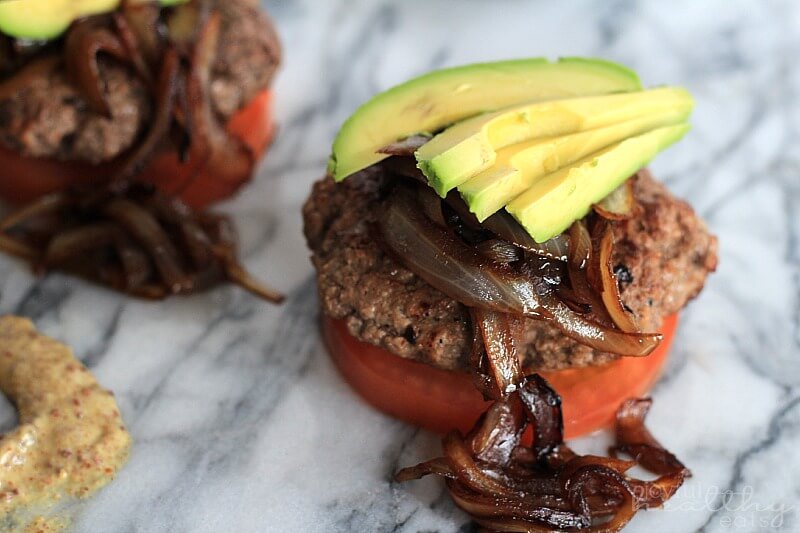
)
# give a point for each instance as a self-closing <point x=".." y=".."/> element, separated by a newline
<point x="138" y="242"/>
<point x="84" y="42"/>
<point x="506" y="485"/>
<point x="543" y="406"/>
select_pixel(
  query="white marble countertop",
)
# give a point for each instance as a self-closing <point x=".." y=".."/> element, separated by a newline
<point x="239" y="420"/>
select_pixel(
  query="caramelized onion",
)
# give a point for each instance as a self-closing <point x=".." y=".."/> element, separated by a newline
<point x="499" y="251"/>
<point x="597" y="336"/>
<point x="164" y="104"/>
<point x="506" y="485"/>
<point x="84" y="42"/>
<point x="465" y="216"/>
<point x="634" y="439"/>
<point x="136" y="241"/>
<point x="132" y="46"/>
<point x="211" y="145"/>
<point x="460" y="272"/>
<point x="448" y="264"/>
<point x="609" y="288"/>
<point x="468" y="472"/>
<point x="45" y="205"/>
<point x="404" y="167"/>
<point x="438" y="466"/>
<point x="431" y="205"/>
<point x="596" y="479"/>
<point x="508" y="511"/>
<point x="543" y="406"/>
<point x="500" y="334"/>
<point x="580" y="242"/>
<point x="72" y="242"/>
<point x="581" y="293"/>
<point x="144" y="228"/>
<point x="497" y="434"/>
<point x="504" y="226"/>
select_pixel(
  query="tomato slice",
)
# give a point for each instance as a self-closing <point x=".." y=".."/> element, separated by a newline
<point x="27" y="178"/>
<point x="440" y="400"/>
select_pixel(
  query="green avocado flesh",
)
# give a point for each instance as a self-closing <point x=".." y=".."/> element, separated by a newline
<point x="470" y="147"/>
<point x="518" y="166"/>
<point x="556" y="200"/>
<point x="438" y="99"/>
<point x="47" y="19"/>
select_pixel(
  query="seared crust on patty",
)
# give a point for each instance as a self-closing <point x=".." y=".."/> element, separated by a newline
<point x="666" y="250"/>
<point x="48" y="117"/>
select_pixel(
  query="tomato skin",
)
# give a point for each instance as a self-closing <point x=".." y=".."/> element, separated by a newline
<point x="26" y="178"/>
<point x="440" y="400"/>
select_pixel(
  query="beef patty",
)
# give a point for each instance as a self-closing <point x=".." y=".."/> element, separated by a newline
<point x="662" y="257"/>
<point x="48" y="118"/>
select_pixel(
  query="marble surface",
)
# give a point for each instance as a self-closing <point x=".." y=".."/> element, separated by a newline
<point x="240" y="422"/>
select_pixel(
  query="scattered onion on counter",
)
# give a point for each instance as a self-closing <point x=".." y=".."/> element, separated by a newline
<point x="140" y="242"/>
<point x="507" y="485"/>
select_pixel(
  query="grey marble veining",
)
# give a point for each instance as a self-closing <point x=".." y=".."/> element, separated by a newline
<point x="238" y="418"/>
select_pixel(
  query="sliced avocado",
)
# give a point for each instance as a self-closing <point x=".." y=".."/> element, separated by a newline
<point x="469" y="147"/>
<point x="440" y="98"/>
<point x="46" y="19"/>
<point x="553" y="202"/>
<point x="518" y="166"/>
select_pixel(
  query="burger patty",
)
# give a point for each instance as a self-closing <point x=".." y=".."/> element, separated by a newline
<point x="49" y="118"/>
<point x="662" y="258"/>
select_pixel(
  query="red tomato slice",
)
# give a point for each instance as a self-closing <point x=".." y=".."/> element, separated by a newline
<point x="439" y="400"/>
<point x="27" y="178"/>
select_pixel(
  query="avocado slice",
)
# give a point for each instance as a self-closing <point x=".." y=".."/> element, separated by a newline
<point x="518" y="166"/>
<point x="440" y="98"/>
<point x="47" y="19"/>
<point x="553" y="202"/>
<point x="469" y="147"/>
